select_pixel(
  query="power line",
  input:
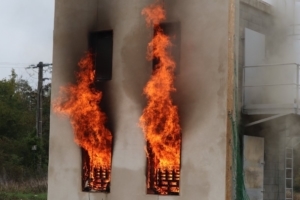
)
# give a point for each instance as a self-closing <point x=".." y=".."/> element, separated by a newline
<point x="12" y="63"/>
<point x="13" y="67"/>
<point x="28" y="65"/>
<point x="30" y="75"/>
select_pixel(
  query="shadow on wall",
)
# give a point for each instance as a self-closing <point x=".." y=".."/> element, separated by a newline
<point x="136" y="69"/>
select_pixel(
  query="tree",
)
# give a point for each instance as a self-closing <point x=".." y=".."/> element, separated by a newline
<point x="16" y="117"/>
<point x="18" y="128"/>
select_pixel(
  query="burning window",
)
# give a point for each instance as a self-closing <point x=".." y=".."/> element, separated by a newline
<point x="160" y="120"/>
<point x="81" y="103"/>
<point x="101" y="45"/>
<point x="173" y="31"/>
<point x="94" y="179"/>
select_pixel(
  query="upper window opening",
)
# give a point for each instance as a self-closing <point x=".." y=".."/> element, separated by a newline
<point x="173" y="30"/>
<point x="101" y="45"/>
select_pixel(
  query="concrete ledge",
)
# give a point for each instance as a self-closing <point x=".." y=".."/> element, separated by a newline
<point x="269" y="109"/>
<point x="260" y="5"/>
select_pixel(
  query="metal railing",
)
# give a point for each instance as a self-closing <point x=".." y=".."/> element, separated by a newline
<point x="270" y="66"/>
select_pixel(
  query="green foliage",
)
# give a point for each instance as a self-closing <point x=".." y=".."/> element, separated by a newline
<point x="18" y="160"/>
<point x="17" y="115"/>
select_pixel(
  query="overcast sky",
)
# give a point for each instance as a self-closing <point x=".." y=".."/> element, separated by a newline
<point x="26" y="32"/>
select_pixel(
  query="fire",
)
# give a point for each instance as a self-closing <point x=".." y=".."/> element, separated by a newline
<point x="160" y="120"/>
<point x="81" y="103"/>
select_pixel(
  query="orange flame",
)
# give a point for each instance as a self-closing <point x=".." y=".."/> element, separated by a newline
<point x="81" y="103"/>
<point x="160" y="120"/>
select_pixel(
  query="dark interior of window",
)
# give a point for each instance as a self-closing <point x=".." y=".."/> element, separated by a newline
<point x="173" y="30"/>
<point x="101" y="45"/>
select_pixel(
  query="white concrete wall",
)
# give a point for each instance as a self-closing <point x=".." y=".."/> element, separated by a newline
<point x="201" y="96"/>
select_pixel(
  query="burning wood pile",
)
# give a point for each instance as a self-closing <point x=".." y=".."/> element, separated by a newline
<point x="160" y="119"/>
<point x="81" y="103"/>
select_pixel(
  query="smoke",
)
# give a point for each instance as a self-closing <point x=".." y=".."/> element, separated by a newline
<point x="281" y="46"/>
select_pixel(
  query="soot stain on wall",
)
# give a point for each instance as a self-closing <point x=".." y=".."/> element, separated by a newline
<point x="136" y="70"/>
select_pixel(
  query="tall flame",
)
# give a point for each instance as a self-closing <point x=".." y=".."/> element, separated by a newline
<point x="81" y="103"/>
<point x="160" y="120"/>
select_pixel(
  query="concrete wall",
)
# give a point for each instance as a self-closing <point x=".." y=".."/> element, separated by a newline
<point x="278" y="134"/>
<point x="258" y="17"/>
<point x="274" y="25"/>
<point x="254" y="15"/>
<point x="274" y="134"/>
<point x="201" y="96"/>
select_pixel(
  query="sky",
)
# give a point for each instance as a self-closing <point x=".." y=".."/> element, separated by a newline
<point x="26" y="35"/>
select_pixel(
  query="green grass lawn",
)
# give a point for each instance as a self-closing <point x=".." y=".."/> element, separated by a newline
<point x="22" y="196"/>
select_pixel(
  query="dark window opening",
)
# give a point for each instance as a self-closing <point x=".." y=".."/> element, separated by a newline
<point x="101" y="45"/>
<point x="96" y="174"/>
<point x="173" y="30"/>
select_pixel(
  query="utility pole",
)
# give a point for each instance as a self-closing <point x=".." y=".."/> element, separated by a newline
<point x="39" y="120"/>
<point x="39" y="113"/>
<point x="40" y="101"/>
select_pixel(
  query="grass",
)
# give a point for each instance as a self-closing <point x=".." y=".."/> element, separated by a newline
<point x="32" y="186"/>
<point x="31" y="189"/>
<point x="22" y="196"/>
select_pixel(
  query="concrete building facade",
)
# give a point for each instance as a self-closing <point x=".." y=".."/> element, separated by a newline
<point x="211" y="81"/>
<point x="201" y="96"/>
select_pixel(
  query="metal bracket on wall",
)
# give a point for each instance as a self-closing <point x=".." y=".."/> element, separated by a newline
<point x="266" y="119"/>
